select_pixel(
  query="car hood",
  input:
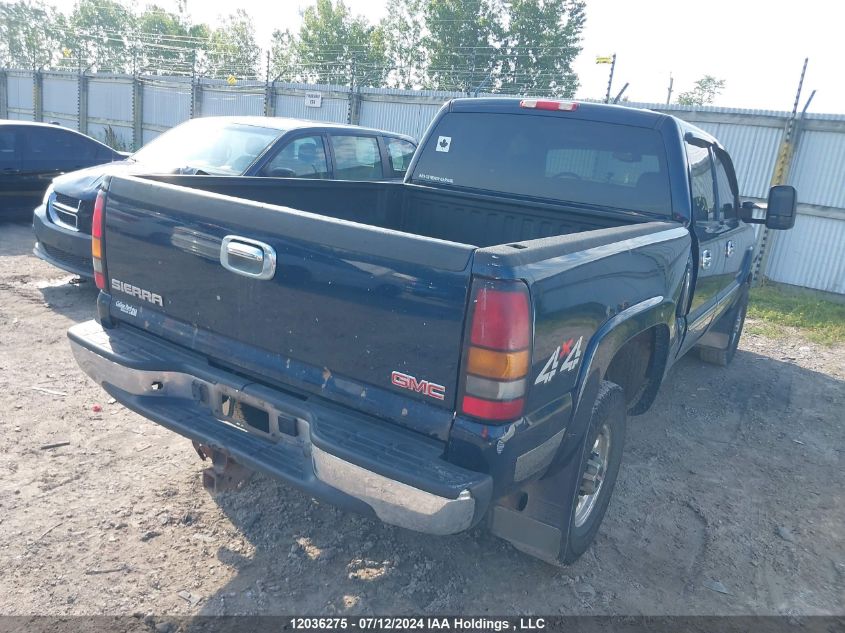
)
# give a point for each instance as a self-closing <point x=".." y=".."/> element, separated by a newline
<point x="83" y="183"/>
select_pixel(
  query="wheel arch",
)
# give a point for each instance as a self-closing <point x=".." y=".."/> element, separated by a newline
<point x="652" y="318"/>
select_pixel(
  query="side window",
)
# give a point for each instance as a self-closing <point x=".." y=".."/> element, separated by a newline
<point x="36" y="154"/>
<point x="9" y="158"/>
<point x="701" y="181"/>
<point x="77" y="149"/>
<point x="303" y="157"/>
<point x="727" y="199"/>
<point x="105" y="155"/>
<point x="47" y="149"/>
<point x="356" y="158"/>
<point x="400" y="152"/>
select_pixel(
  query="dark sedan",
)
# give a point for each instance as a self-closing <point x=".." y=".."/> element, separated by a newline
<point x="219" y="146"/>
<point x="32" y="154"/>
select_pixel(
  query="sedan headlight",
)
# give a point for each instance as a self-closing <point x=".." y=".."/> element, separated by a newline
<point x="47" y="195"/>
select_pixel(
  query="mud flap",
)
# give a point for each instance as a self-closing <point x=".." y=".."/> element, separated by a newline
<point x="536" y="519"/>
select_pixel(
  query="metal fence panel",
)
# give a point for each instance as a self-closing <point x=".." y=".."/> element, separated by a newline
<point x="148" y="135"/>
<point x="811" y="255"/>
<point x="333" y="108"/>
<point x="224" y="101"/>
<point x="20" y="115"/>
<point x="404" y="111"/>
<point x="165" y="104"/>
<point x="61" y="99"/>
<point x="818" y="170"/>
<point x="405" y="118"/>
<point x="122" y="133"/>
<point x="110" y="99"/>
<point x="19" y="94"/>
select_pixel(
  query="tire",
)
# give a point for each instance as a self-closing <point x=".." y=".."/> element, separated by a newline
<point x="607" y="424"/>
<point x="731" y="324"/>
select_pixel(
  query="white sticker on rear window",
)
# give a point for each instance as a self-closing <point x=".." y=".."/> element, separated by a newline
<point x="435" y="178"/>
<point x="444" y="143"/>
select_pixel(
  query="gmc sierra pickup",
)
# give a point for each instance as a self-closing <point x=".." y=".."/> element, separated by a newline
<point x="461" y="347"/>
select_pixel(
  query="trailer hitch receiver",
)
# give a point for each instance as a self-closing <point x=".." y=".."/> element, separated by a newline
<point x="224" y="473"/>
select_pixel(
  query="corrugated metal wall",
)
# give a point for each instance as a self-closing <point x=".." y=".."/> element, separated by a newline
<point x="404" y="111"/>
<point x="19" y="93"/>
<point x="165" y="104"/>
<point x="61" y="99"/>
<point x="812" y="255"/>
<point x="110" y="106"/>
<point x="290" y="101"/>
<point x="219" y="99"/>
<point x="818" y="170"/>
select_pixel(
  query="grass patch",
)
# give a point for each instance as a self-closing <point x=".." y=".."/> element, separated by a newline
<point x="819" y="320"/>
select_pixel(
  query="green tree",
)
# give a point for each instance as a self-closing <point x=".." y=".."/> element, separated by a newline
<point x="704" y="93"/>
<point x="165" y="41"/>
<point x="232" y="49"/>
<point x="462" y="43"/>
<point x="284" y="60"/>
<point x="404" y="43"/>
<point x="101" y="36"/>
<point x="30" y="34"/>
<point x="542" y="41"/>
<point x="332" y="46"/>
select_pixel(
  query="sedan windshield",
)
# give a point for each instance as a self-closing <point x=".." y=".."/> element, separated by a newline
<point x="213" y="146"/>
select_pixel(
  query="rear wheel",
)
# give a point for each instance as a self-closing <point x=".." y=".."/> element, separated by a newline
<point x="731" y="324"/>
<point x="605" y="439"/>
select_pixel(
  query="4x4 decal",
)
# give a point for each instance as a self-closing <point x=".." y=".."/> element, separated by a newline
<point x="569" y="352"/>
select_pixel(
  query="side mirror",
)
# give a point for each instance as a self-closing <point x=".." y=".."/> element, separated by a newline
<point x="780" y="212"/>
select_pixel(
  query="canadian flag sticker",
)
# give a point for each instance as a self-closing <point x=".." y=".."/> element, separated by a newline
<point x="444" y="143"/>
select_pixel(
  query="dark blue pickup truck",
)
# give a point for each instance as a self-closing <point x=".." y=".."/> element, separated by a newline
<point x="458" y="348"/>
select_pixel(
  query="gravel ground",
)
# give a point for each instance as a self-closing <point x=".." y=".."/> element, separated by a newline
<point x="729" y="501"/>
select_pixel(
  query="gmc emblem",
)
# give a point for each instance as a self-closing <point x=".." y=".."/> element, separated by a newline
<point x="438" y="392"/>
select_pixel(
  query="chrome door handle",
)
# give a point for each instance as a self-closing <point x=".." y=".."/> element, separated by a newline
<point x="730" y="247"/>
<point x="706" y="259"/>
<point x="248" y="257"/>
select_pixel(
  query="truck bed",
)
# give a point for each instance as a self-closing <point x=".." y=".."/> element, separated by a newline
<point x="466" y="218"/>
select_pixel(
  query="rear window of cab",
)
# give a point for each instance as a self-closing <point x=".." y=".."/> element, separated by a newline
<point x="555" y="158"/>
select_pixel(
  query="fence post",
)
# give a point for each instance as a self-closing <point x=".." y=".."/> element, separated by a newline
<point x="137" y="113"/>
<point x="82" y="103"/>
<point x="4" y="95"/>
<point x="354" y="107"/>
<point x="270" y="99"/>
<point x="196" y="98"/>
<point x="37" y="96"/>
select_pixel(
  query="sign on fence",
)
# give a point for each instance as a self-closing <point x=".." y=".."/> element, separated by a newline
<point x="313" y="100"/>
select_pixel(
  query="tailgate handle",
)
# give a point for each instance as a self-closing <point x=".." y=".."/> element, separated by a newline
<point x="248" y="257"/>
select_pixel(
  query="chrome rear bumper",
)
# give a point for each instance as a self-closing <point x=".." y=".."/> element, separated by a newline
<point x="393" y="478"/>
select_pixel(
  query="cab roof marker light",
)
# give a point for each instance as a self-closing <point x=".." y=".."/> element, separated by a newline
<point x="546" y="104"/>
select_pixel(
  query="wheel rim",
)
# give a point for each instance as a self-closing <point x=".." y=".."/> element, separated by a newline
<point x="592" y="481"/>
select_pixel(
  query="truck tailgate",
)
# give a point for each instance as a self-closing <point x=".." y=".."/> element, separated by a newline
<point x="346" y="307"/>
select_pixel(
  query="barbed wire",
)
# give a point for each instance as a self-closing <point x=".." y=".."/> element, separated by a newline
<point x="212" y="56"/>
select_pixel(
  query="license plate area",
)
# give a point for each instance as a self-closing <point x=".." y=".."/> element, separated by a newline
<point x="254" y="419"/>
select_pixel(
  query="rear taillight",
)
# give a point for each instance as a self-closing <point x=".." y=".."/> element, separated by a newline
<point x="497" y="357"/>
<point x="97" y="240"/>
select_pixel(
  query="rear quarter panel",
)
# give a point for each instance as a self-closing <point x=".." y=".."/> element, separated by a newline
<point x="591" y="293"/>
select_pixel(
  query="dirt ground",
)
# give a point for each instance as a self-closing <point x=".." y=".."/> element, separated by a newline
<point x="729" y="501"/>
